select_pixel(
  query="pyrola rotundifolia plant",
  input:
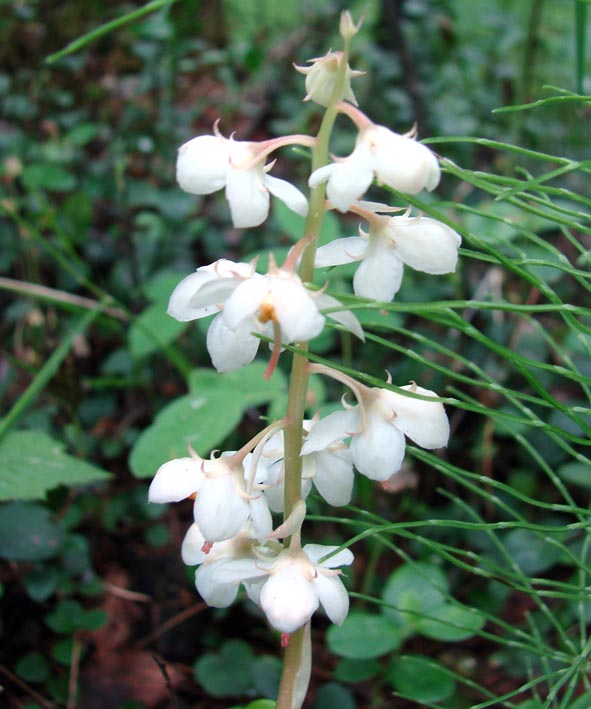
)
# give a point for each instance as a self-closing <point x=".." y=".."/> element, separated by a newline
<point x="232" y="540"/>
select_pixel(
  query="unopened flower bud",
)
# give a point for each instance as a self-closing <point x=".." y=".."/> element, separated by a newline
<point x="321" y="79"/>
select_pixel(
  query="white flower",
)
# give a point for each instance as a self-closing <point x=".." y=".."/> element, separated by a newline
<point x="211" y="162"/>
<point x="210" y="578"/>
<point x="377" y="428"/>
<point x="299" y="582"/>
<point x="321" y="79"/>
<point x="396" y="161"/>
<point x="248" y="303"/>
<point x="330" y="469"/>
<point x="223" y="505"/>
<point x="290" y="587"/>
<point x="420" y="242"/>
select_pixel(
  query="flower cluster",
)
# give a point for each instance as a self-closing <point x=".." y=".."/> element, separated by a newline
<point x="232" y="540"/>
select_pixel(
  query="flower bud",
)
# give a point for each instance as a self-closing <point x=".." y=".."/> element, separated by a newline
<point x="321" y="79"/>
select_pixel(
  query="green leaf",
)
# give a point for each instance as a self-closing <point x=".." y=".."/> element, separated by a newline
<point x="152" y="330"/>
<point x="266" y="674"/>
<point x="27" y="532"/>
<point x="364" y="636"/>
<point x="576" y="473"/>
<point x="33" y="463"/>
<point x="418" y="678"/>
<point x="247" y="384"/>
<point x="70" y="616"/>
<point x="414" y="590"/>
<point x="332" y="695"/>
<point x="454" y="622"/>
<point x="41" y="582"/>
<point x="203" y="418"/>
<point x="33" y="667"/>
<point x="201" y="421"/>
<point x="349" y="670"/>
<point x="228" y="673"/>
<point x="46" y="176"/>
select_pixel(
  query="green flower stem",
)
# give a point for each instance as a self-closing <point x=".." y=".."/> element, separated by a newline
<point x="298" y="385"/>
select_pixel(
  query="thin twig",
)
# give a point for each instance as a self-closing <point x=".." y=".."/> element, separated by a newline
<point x="171" y="623"/>
<point x="74" y="671"/>
<point x="26" y="688"/>
<point x="126" y="594"/>
<point x="58" y="296"/>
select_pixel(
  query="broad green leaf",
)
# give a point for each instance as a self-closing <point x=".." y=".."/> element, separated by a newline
<point x="228" y="673"/>
<point x="33" y="667"/>
<point x="247" y="384"/>
<point x="47" y="176"/>
<point x="349" y="670"/>
<point x="364" y="636"/>
<point x="414" y="590"/>
<point x="152" y="330"/>
<point x="420" y="679"/>
<point x="453" y="622"/>
<point x="331" y="695"/>
<point x="27" y="532"/>
<point x="201" y="421"/>
<point x="33" y="463"/>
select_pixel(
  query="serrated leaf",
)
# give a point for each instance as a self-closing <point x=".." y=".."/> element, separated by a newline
<point x="247" y="384"/>
<point x="33" y="463"/>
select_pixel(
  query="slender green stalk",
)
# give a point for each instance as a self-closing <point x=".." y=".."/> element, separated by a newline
<point x="299" y="641"/>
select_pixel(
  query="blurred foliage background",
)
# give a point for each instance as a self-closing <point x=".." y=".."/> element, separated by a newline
<point x="96" y="381"/>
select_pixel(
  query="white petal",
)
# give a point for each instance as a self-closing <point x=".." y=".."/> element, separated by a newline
<point x="331" y="429"/>
<point x="180" y="305"/>
<point x="231" y="349"/>
<point x="378" y="450"/>
<point x="425" y="244"/>
<point x="379" y="274"/>
<point x="214" y="593"/>
<point x="341" y="251"/>
<point x="288" y="194"/>
<point x="296" y="311"/>
<point x="262" y="522"/>
<point x="288" y="599"/>
<point x="350" y="179"/>
<point x="314" y="552"/>
<point x="245" y="301"/>
<point x="424" y="422"/>
<point x="322" y="174"/>
<point x="333" y="596"/>
<point x="247" y="196"/>
<point x="404" y="164"/>
<point x="237" y="570"/>
<point x="219" y="510"/>
<point x="333" y="476"/>
<point x="175" y="480"/>
<point x="344" y="317"/>
<point x="202" y="164"/>
<point x="191" y="553"/>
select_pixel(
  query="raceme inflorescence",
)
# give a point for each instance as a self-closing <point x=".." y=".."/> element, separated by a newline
<point x="232" y="540"/>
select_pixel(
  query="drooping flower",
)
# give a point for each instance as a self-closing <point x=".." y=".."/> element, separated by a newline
<point x="378" y="426"/>
<point x="209" y="163"/>
<point x="276" y="304"/>
<point x="397" y="161"/>
<point x="290" y="586"/>
<point x="224" y="502"/>
<point x="420" y="242"/>
<point x="329" y="469"/>
<point x="321" y="79"/>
